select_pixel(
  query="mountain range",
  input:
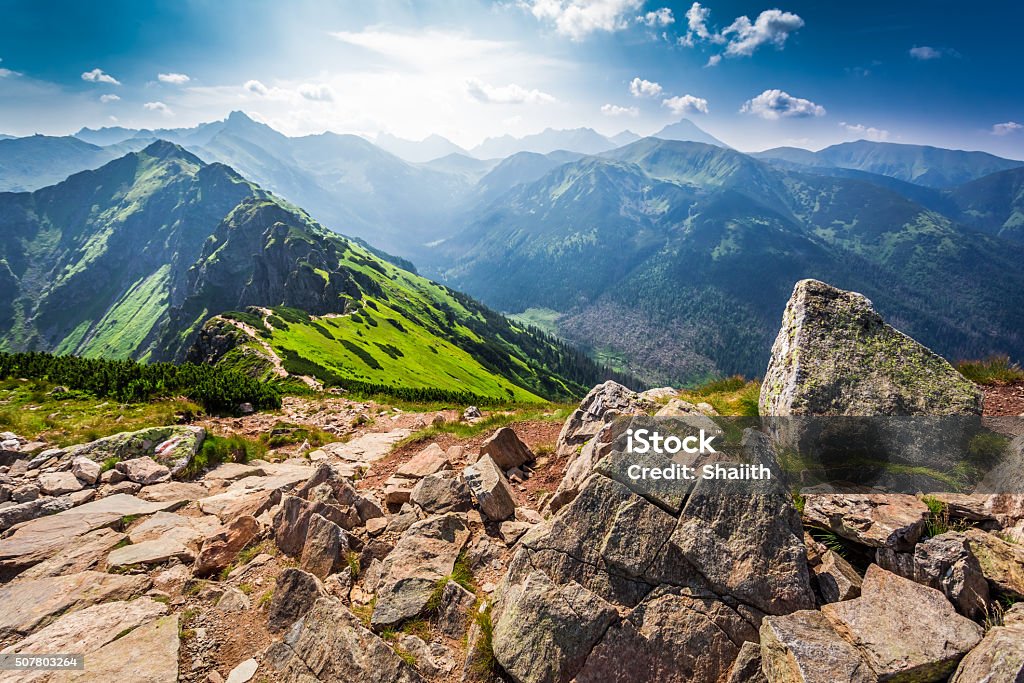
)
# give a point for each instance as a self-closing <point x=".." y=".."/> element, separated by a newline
<point x="677" y="257"/>
<point x="670" y="258"/>
<point x="133" y="259"/>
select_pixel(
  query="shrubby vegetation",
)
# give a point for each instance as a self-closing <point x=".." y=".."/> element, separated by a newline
<point x="218" y="390"/>
<point x="994" y="370"/>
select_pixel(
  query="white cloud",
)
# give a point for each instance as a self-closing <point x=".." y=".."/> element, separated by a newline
<point x="775" y="104"/>
<point x="925" y="53"/>
<point x="99" y="76"/>
<point x="742" y="37"/>
<point x="317" y="92"/>
<point x="506" y="94"/>
<point x="865" y="132"/>
<point x="109" y="98"/>
<point x="579" y="18"/>
<point x="1006" y="128"/>
<point x="256" y="87"/>
<point x="714" y="60"/>
<point x="686" y="104"/>
<point x="616" y="110"/>
<point x="7" y="73"/>
<point x="638" y="87"/>
<point x="173" y="78"/>
<point x="661" y="17"/>
<point x="158" y="107"/>
<point x="772" y="27"/>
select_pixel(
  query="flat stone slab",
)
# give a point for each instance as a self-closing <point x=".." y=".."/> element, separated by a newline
<point x="173" y="491"/>
<point x="369" y="447"/>
<point x="87" y="552"/>
<point x="84" y="631"/>
<point x="149" y="654"/>
<point x="168" y="525"/>
<point x="41" y="538"/>
<point x="25" y="605"/>
<point x="231" y="471"/>
<point x="157" y="551"/>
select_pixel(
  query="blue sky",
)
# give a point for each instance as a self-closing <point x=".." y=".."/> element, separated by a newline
<point x="755" y="74"/>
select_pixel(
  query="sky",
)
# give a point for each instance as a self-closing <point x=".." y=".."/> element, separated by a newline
<point x="756" y="74"/>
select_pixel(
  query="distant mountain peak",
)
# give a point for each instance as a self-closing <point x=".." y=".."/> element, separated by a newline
<point x="687" y="131"/>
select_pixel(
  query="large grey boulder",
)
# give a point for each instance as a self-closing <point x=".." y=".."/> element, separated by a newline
<point x="802" y="647"/>
<point x="834" y="355"/>
<point x="330" y="645"/>
<point x="491" y="489"/>
<point x="507" y="450"/>
<point x="877" y="520"/>
<point x="945" y="563"/>
<point x="637" y="583"/>
<point x="424" y="555"/>
<point x="294" y="594"/>
<point x="904" y="630"/>
<point x="999" y="658"/>
<point x="173" y="447"/>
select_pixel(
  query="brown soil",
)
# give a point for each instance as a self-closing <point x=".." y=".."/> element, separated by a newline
<point x="1005" y="401"/>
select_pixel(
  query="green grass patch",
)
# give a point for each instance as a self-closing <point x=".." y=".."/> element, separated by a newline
<point x="732" y="396"/>
<point x="995" y="370"/>
<point x="288" y="434"/>
<point x="220" y="449"/>
<point x="465" y="430"/>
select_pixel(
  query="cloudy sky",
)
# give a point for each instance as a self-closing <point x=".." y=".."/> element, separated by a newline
<point x="755" y="74"/>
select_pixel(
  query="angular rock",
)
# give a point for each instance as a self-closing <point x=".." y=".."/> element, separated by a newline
<point x="325" y="544"/>
<point x="600" y="406"/>
<point x="492" y="491"/>
<point x="294" y="595"/>
<point x="512" y="531"/>
<point x="233" y="600"/>
<point x="424" y="555"/>
<point x="802" y="647"/>
<point x="330" y="645"/>
<point x="506" y="449"/>
<point x="144" y="471"/>
<point x="87" y="552"/>
<point x="167" y="525"/>
<point x="430" y="460"/>
<point x="157" y="551"/>
<point x="25" y="605"/>
<point x="834" y="355"/>
<point x="149" y="654"/>
<point x="86" y="470"/>
<point x="244" y="672"/>
<point x="582" y="463"/>
<point x="877" y="520"/>
<point x="999" y="658"/>
<point x="547" y="631"/>
<point x="40" y="507"/>
<point x="59" y="483"/>
<point x="174" y="491"/>
<point x="670" y="637"/>
<point x="221" y="549"/>
<point x="945" y="563"/>
<point x="453" y="610"/>
<point x="747" y="667"/>
<point x="1002" y="563"/>
<point x="904" y="630"/>
<point x="397" y="492"/>
<point x="837" y="579"/>
<point x="442" y="492"/>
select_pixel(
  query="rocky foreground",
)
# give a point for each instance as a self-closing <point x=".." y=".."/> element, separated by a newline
<point x="443" y="562"/>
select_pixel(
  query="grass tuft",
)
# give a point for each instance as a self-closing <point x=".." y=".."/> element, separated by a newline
<point x="996" y="370"/>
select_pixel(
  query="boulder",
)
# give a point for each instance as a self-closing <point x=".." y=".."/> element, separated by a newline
<point x="144" y="471"/>
<point x="999" y="658"/>
<point x="220" y="550"/>
<point x="834" y="355"/>
<point x="59" y="483"/>
<point x="877" y="520"/>
<point x="491" y="489"/>
<point x="802" y="647"/>
<point x="1001" y="562"/>
<point x="325" y="544"/>
<point x="506" y="449"/>
<point x="945" y="563"/>
<point x="614" y="578"/>
<point x="173" y="446"/>
<point x="423" y="556"/>
<point x="904" y="630"/>
<point x="442" y="492"/>
<point x="670" y="637"/>
<point x="836" y="578"/>
<point x="600" y="406"/>
<point x="747" y="667"/>
<point x="452" y="617"/>
<point x="88" y="471"/>
<point x="330" y="645"/>
<point x="294" y="594"/>
<point x="156" y="551"/>
<point x="87" y="551"/>
<point x="233" y="601"/>
<point x="430" y="460"/>
<point x="547" y="630"/>
<point x="397" y="491"/>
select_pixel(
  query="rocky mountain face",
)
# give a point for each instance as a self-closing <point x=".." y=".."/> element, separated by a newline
<point x="670" y="245"/>
<point x="363" y="560"/>
<point x="132" y="259"/>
